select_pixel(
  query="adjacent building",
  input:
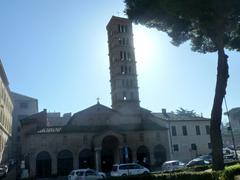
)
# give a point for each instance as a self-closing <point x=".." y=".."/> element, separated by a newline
<point x="24" y="106"/>
<point x="6" y="108"/>
<point x="232" y="129"/>
<point x="189" y="135"/>
<point x="99" y="136"/>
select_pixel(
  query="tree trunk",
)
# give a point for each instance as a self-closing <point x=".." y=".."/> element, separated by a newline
<point x="216" y="114"/>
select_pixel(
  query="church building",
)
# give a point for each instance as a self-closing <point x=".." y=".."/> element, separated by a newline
<point x="99" y="136"/>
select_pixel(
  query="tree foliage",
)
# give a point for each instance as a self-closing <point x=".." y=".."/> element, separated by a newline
<point x="200" y="21"/>
<point x="185" y="112"/>
<point x="210" y="26"/>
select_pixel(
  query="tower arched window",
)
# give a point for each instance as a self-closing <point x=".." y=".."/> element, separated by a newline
<point x="120" y="41"/>
<point x="122" y="70"/>
<point x="124" y="96"/>
<point x="129" y="56"/>
<point x="129" y="69"/>
<point x="125" y="69"/>
<point x="121" y="55"/>
<point x="125" y="55"/>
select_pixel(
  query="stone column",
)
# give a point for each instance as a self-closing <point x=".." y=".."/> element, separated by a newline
<point x="54" y="164"/>
<point x="75" y="161"/>
<point x="98" y="159"/>
<point x="120" y="150"/>
<point x="32" y="166"/>
<point x="134" y="155"/>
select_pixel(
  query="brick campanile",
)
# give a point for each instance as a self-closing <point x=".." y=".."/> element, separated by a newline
<point x="123" y="75"/>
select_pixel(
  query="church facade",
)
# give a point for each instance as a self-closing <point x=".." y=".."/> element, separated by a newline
<point x="98" y="136"/>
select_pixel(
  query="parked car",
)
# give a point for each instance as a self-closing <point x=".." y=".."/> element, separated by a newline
<point x="207" y="157"/>
<point x="128" y="169"/>
<point x="197" y="162"/>
<point x="85" y="174"/>
<point x="172" y="165"/>
<point x="2" y="172"/>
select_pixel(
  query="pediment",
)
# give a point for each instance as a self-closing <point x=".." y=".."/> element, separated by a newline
<point x="94" y="115"/>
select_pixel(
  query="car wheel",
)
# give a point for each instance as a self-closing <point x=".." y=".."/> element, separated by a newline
<point x="103" y="176"/>
<point x="124" y="175"/>
<point x="145" y="172"/>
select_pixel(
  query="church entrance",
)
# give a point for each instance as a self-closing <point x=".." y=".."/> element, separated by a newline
<point x="143" y="156"/>
<point x="43" y="165"/>
<point x="110" y="153"/>
<point x="159" y="155"/>
<point x="64" y="162"/>
<point x="86" y="159"/>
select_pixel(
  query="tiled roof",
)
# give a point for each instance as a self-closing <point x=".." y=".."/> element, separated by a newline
<point x="173" y="116"/>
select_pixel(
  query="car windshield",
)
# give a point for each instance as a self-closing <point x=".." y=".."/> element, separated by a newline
<point x="114" y="168"/>
<point x="79" y="173"/>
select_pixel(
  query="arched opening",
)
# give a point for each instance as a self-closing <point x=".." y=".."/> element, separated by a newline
<point x="110" y="153"/>
<point x="43" y="165"/>
<point x="127" y="155"/>
<point x="64" y="162"/>
<point x="159" y="154"/>
<point x="86" y="159"/>
<point x="143" y="156"/>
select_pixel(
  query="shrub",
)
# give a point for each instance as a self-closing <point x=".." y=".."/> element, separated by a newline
<point x="230" y="171"/>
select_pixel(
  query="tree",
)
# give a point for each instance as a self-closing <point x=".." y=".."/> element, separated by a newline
<point x="184" y="112"/>
<point x="210" y="26"/>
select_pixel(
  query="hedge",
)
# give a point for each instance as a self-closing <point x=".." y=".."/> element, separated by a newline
<point x="227" y="174"/>
<point x="173" y="176"/>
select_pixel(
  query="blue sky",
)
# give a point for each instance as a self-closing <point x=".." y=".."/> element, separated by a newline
<point x="56" y="51"/>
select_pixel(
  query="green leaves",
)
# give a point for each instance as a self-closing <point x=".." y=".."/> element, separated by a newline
<point x="200" y="21"/>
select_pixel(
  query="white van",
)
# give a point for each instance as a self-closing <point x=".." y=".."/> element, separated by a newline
<point x="128" y="169"/>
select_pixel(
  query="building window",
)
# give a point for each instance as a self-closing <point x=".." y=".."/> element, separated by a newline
<point x="24" y="105"/>
<point x="141" y="137"/>
<point x="121" y="55"/>
<point x="129" y="56"/>
<point x="174" y="131"/>
<point x="175" y="148"/>
<point x="119" y="28"/>
<point x="207" y="129"/>
<point x="194" y="147"/>
<point x="124" y="96"/>
<point x="209" y="146"/>
<point x="184" y="130"/>
<point x="198" y="130"/>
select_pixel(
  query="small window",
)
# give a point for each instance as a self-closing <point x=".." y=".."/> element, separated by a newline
<point x="175" y="148"/>
<point x="209" y="145"/>
<point x="120" y="41"/>
<point x="174" y="131"/>
<point x="198" y="130"/>
<point x="184" y="130"/>
<point x="207" y="129"/>
<point x="119" y="28"/>
<point x="121" y="55"/>
<point x="194" y="147"/>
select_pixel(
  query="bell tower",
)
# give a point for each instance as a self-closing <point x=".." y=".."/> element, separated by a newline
<point x="123" y="75"/>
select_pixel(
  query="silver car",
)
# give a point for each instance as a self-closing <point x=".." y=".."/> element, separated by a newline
<point x="172" y="165"/>
<point x="85" y="174"/>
